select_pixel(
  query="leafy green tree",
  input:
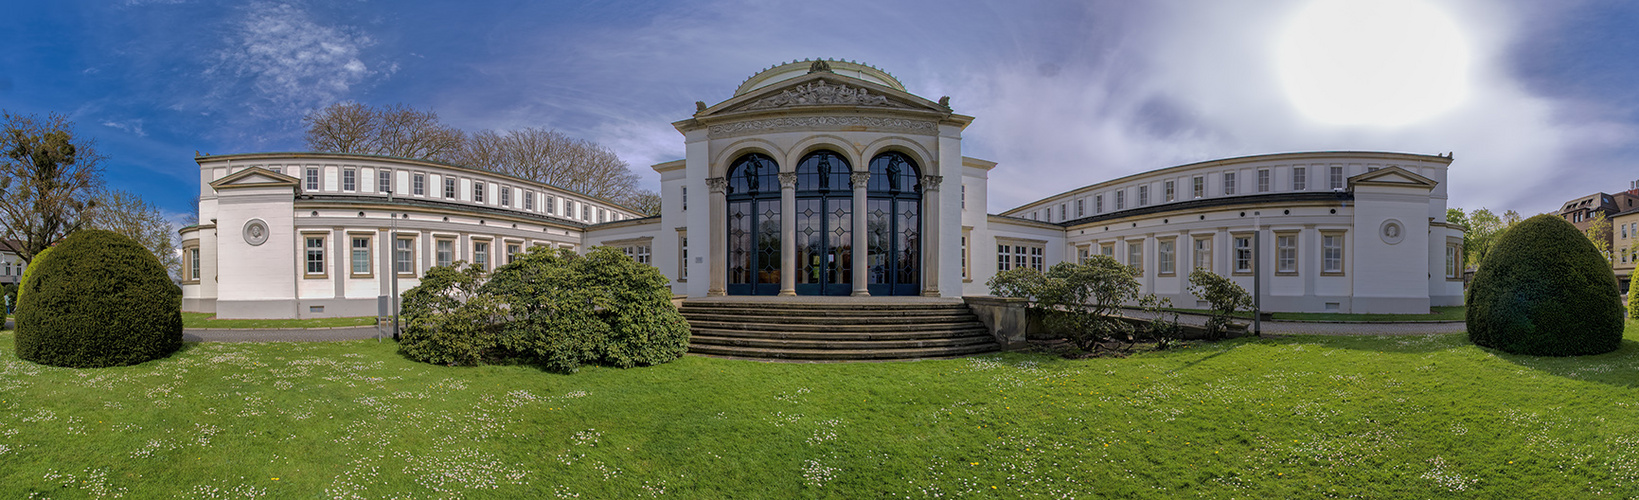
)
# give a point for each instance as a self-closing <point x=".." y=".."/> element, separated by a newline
<point x="1078" y="299"/>
<point x="47" y="177"/>
<point x="1224" y="296"/>
<point x="448" y="321"/>
<point x="1599" y="233"/>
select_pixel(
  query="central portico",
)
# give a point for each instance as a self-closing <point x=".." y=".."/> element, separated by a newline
<point x="818" y="178"/>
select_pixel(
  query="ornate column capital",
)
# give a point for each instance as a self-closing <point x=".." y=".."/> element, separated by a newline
<point x="717" y="184"/>
<point x="858" y="179"/>
<point x="931" y="182"/>
<point x="788" y="180"/>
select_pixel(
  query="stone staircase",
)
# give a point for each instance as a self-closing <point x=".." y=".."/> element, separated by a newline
<point x="835" y="330"/>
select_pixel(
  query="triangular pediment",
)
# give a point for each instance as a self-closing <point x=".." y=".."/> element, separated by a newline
<point x="822" y="89"/>
<point x="255" y="177"/>
<point x="1392" y="176"/>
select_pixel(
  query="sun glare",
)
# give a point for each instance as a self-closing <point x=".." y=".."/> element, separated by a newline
<point x="1373" y="62"/>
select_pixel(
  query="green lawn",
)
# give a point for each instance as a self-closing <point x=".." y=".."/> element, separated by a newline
<point x="1294" y="417"/>
<point x="1449" y="313"/>
<point x="208" y="320"/>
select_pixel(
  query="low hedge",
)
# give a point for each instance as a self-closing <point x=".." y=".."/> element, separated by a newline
<point x="1545" y="290"/>
<point x="97" y="299"/>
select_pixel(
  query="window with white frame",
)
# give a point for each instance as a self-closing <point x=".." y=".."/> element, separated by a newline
<point x="551" y="205"/>
<point x="686" y="199"/>
<point x="1143" y="195"/>
<point x="1203" y="253"/>
<point x="419" y="183"/>
<point x="193" y="264"/>
<point x="1199" y="186"/>
<point x="1135" y="255"/>
<point x="1337" y="177"/>
<point x="1300" y="178"/>
<point x="512" y="250"/>
<point x="1064" y="214"/>
<point x="1229" y="183"/>
<point x="506" y="195"/>
<point x="384" y="181"/>
<point x="1170" y="190"/>
<point x="1286" y="253"/>
<point x="1121" y="199"/>
<point x="477" y="191"/>
<point x="964" y="255"/>
<point x="1454" y="267"/>
<point x="1004" y="257"/>
<point x="404" y="255"/>
<point x="312" y="179"/>
<point x="1098" y="204"/>
<point x="449" y="188"/>
<point x="480" y="254"/>
<point x="1331" y="253"/>
<point x="1107" y="250"/>
<point x="1243" y="254"/>
<point x="1263" y="180"/>
<point x="360" y="256"/>
<point x="445" y="252"/>
<point x="1081" y="207"/>
<point x="1166" y="257"/>
<point x="1038" y="260"/>
<point x="315" y="255"/>
<point x="683" y="256"/>
<point x="639" y="253"/>
<point x="529" y="201"/>
<point x="349" y="179"/>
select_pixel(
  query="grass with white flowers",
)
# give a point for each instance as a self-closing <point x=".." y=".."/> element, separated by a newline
<point x="1373" y="417"/>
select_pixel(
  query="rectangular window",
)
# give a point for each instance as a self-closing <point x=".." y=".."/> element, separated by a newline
<point x="683" y="254"/>
<point x="1082" y="253"/>
<point x="404" y="256"/>
<point x="551" y="205"/>
<point x="964" y="256"/>
<point x="360" y="256"/>
<point x="1081" y="208"/>
<point x="1143" y="195"/>
<point x="445" y="254"/>
<point x="1020" y="256"/>
<point x="1286" y="254"/>
<point x="193" y="264"/>
<point x="639" y="253"/>
<point x="1121" y="199"/>
<point x="1337" y="178"/>
<point x="603" y="215"/>
<point x="1203" y="254"/>
<point x="449" y="188"/>
<point x="1300" y="178"/>
<point x="1451" y="260"/>
<point x="420" y="184"/>
<point x="529" y="201"/>
<point x="1229" y="183"/>
<point x="1263" y="180"/>
<point x="1107" y="250"/>
<point x="1004" y="257"/>
<point x="1135" y="255"/>
<point x="477" y="192"/>
<point x="964" y="197"/>
<point x="312" y="179"/>
<point x="1171" y="190"/>
<point x="385" y="179"/>
<point x="1038" y="259"/>
<point x="506" y="195"/>
<point x="349" y="179"/>
<point x="1165" y="257"/>
<point x="1243" y="255"/>
<point x="686" y="199"/>
<point x="1098" y="204"/>
<point x="315" y="256"/>
<point x="1063" y="214"/>
<point x="512" y="250"/>
<point x="1331" y="253"/>
<point x="1200" y="186"/>
<point x="480" y="254"/>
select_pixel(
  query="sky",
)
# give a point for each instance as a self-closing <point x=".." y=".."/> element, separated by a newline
<point x="1538" y="101"/>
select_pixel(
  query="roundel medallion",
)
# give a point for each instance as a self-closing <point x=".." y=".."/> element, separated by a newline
<point x="255" y="232"/>
<point x="1393" y="231"/>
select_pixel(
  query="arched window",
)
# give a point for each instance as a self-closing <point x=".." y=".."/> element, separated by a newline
<point x="753" y="197"/>
<point x="824" y="230"/>
<point x="893" y="219"/>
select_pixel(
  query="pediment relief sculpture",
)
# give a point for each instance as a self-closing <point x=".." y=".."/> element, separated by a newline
<point x="821" y="93"/>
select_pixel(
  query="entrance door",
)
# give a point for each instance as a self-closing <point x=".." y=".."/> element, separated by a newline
<point x="753" y="195"/>
<point x="893" y="218"/>
<point x="824" y="232"/>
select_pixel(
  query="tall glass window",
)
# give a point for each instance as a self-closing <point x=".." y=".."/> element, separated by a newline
<point x="1331" y="248"/>
<point x="1171" y="191"/>
<point x="404" y="256"/>
<point x="1263" y="180"/>
<point x="1165" y="257"/>
<point x="753" y="195"/>
<point x="1286" y="253"/>
<point x="1121" y="199"/>
<point x="825" y="222"/>
<point x="1229" y="183"/>
<point x="1143" y="195"/>
<point x="1200" y="186"/>
<point x="420" y="184"/>
<point x="1135" y="255"/>
<point x="893" y="219"/>
<point x="506" y="195"/>
<point x="1203" y="254"/>
<point x="385" y="181"/>
<point x="1243" y="254"/>
<point x="360" y="255"/>
<point x="480" y="254"/>
<point x="315" y="255"/>
<point x="193" y="264"/>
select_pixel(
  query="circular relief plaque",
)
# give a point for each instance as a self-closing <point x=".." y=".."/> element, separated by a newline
<point x="1392" y="231"/>
<point x="255" y="232"/>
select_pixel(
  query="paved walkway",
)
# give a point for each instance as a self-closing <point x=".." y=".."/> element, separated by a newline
<point x="1334" y="328"/>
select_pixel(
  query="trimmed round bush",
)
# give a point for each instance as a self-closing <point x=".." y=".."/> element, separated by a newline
<point x="29" y="270"/>
<point x="1544" y="290"/>
<point x="98" y="299"/>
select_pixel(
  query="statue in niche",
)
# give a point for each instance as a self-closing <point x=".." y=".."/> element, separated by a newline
<point x="893" y="174"/>
<point x="750" y="173"/>
<point x="825" y="172"/>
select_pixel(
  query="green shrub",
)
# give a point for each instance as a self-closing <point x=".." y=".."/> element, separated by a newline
<point x="447" y="321"/>
<point x="547" y="307"/>
<point x="1080" y="300"/>
<point x="28" y="270"/>
<point x="1633" y="298"/>
<point x="98" y="299"/>
<point x="1223" y="296"/>
<point x="1546" y="291"/>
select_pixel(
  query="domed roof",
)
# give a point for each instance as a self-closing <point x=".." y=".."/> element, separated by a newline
<point x="786" y="71"/>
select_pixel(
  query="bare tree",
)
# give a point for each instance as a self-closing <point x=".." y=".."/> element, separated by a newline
<point x="46" y="180"/>
<point x="395" y="130"/>
<point x="128" y="214"/>
<point x="644" y="201"/>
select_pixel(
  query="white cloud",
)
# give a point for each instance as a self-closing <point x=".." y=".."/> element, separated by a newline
<point x="290" y="60"/>
<point x="133" y="126"/>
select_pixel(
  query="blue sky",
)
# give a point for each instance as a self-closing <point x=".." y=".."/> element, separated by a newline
<point x="1065" y="93"/>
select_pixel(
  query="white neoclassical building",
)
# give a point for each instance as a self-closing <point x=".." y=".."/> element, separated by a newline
<point x="828" y="178"/>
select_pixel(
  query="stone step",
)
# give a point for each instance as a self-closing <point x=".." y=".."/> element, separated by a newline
<point x="963" y="332"/>
<point x="851" y="306"/>
<point x="829" y="344"/>
<point x="783" y="309"/>
<point x="867" y="327"/>
<point x="843" y="354"/>
<point x="838" y="318"/>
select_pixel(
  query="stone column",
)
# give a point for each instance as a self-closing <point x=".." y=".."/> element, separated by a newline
<point x="861" y="246"/>
<point x="718" y="244"/>
<point x="930" y="235"/>
<point x="788" y="233"/>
